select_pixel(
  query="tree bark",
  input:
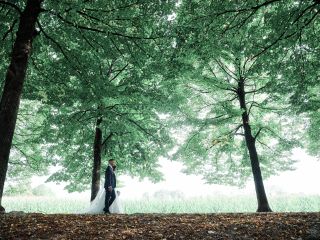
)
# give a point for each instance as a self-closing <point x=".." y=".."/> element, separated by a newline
<point x="97" y="148"/>
<point x="15" y="77"/>
<point x="263" y="205"/>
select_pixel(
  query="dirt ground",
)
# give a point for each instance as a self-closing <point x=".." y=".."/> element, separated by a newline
<point x="161" y="226"/>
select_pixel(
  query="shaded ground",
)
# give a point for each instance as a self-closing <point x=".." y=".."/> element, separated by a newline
<point x="161" y="226"/>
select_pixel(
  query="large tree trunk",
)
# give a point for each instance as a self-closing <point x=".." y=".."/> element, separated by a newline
<point x="15" y="78"/>
<point x="97" y="148"/>
<point x="263" y="205"/>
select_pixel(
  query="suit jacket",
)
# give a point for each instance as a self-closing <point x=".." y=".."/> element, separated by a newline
<point x="110" y="178"/>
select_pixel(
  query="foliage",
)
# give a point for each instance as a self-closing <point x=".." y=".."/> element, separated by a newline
<point x="27" y="157"/>
<point x="214" y="60"/>
<point x="19" y="186"/>
<point x="93" y="60"/>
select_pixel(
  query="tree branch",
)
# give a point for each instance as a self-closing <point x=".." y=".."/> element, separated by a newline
<point x="233" y="131"/>
<point x="10" y="30"/>
<point x="303" y="12"/>
<point x="89" y="28"/>
<point x="257" y="134"/>
<point x="255" y="104"/>
<point x="265" y="145"/>
<point x="141" y="128"/>
<point x="114" y="9"/>
<point x="256" y="90"/>
<point x="266" y="3"/>
<point x="15" y="7"/>
<point x="226" y="69"/>
<point x="54" y="41"/>
<point x="107" y="138"/>
<point x="197" y="90"/>
<point x="27" y="157"/>
<point x="119" y="72"/>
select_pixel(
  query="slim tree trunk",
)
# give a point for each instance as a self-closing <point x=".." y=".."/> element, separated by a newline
<point x="97" y="147"/>
<point x="263" y="205"/>
<point x="14" y="80"/>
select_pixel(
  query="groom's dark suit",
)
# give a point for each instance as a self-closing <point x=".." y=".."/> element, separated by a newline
<point x="110" y="181"/>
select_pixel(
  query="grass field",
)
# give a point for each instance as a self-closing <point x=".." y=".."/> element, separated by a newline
<point x="217" y="204"/>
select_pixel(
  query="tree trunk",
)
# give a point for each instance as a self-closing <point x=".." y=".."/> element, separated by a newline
<point x="14" y="80"/>
<point x="263" y="205"/>
<point x="97" y="147"/>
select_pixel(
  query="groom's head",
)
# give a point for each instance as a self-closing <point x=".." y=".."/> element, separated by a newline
<point x="112" y="162"/>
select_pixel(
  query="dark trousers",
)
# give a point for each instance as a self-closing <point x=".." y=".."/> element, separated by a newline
<point x="110" y="197"/>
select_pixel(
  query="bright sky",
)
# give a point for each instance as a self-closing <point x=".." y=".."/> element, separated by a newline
<point x="304" y="180"/>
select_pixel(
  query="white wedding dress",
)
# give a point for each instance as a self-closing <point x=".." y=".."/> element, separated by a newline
<point x="97" y="205"/>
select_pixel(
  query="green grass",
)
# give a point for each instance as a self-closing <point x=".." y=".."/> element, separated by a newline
<point x="217" y="204"/>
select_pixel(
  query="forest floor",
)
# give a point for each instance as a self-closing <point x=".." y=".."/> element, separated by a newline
<point x="161" y="226"/>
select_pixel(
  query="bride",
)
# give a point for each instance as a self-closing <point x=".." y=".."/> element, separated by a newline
<point x="97" y="205"/>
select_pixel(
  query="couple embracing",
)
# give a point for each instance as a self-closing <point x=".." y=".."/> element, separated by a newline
<point x="107" y="199"/>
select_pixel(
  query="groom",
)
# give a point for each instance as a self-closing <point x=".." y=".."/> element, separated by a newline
<point x="109" y="185"/>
